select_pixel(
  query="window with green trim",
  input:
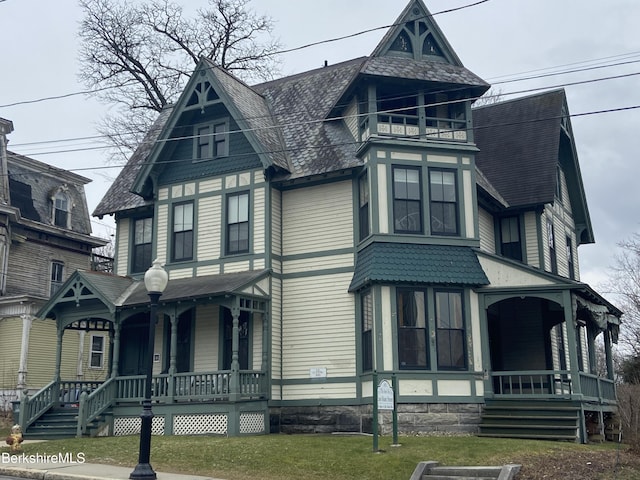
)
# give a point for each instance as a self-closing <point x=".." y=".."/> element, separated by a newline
<point x="407" y="200"/>
<point x="182" y="232"/>
<point x="366" y="305"/>
<point x="142" y="244"/>
<point x="450" y="331"/>
<point x="443" y="204"/>
<point x="412" y="329"/>
<point x="238" y="223"/>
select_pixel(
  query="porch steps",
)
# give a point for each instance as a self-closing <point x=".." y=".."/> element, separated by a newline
<point x="60" y="423"/>
<point x="433" y="471"/>
<point x="535" y="419"/>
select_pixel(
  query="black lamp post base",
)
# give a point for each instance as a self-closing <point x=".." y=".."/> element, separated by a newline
<point x="143" y="471"/>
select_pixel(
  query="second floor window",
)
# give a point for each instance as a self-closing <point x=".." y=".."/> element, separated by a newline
<point x="412" y="329"/>
<point x="510" y="244"/>
<point x="57" y="275"/>
<point x="443" y="202"/>
<point x="61" y="210"/>
<point x="407" y="200"/>
<point x="142" y="244"/>
<point x="183" y="231"/>
<point x="238" y="223"/>
<point x="363" y="206"/>
<point x="570" y="263"/>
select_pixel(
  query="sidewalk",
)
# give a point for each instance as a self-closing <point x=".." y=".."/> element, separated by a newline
<point x="80" y="471"/>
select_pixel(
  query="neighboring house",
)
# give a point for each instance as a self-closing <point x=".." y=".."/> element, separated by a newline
<point x="45" y="235"/>
<point x="351" y="221"/>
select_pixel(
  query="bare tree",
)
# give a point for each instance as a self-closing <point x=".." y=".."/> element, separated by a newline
<point x="139" y="55"/>
<point x="491" y="96"/>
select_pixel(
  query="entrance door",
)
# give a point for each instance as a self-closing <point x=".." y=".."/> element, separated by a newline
<point x="183" y="345"/>
<point x="134" y="345"/>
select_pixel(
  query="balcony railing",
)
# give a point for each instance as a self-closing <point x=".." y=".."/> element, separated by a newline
<point x="408" y="126"/>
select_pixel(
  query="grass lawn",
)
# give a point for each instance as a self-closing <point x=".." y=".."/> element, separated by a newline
<point x="335" y="457"/>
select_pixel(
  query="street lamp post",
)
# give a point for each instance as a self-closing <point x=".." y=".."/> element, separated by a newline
<point x="155" y="281"/>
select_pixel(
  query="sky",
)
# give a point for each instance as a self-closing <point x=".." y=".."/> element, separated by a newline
<point x="499" y="40"/>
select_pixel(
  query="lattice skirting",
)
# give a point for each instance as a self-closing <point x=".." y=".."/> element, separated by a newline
<point x="131" y="426"/>
<point x="252" y="422"/>
<point x="200" y="423"/>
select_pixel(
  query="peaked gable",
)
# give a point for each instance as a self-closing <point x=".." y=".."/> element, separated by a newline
<point x="212" y="91"/>
<point x="416" y="35"/>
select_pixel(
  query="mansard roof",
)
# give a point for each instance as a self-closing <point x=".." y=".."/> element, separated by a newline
<point x="32" y="184"/>
<point x="520" y="144"/>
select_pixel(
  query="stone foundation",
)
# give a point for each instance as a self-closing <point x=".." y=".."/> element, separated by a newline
<point x="413" y="419"/>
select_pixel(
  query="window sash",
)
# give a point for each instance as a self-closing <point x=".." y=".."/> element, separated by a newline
<point x="407" y="200"/>
<point x="97" y="351"/>
<point x="443" y="202"/>
<point x="366" y="301"/>
<point x="238" y="223"/>
<point x="412" y="329"/>
<point x="450" y="331"/>
<point x="363" y="210"/>
<point x="183" y="231"/>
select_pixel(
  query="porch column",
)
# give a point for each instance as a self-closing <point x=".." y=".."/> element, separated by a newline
<point x="234" y="381"/>
<point x="81" y="337"/>
<point x="570" y="319"/>
<point x="115" y="350"/>
<point x="173" y="354"/>
<point x="27" y="321"/>
<point x="57" y="377"/>
<point x="265" y="342"/>
<point x="608" y="354"/>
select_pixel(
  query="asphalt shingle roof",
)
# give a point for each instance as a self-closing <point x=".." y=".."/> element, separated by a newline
<point x="519" y="143"/>
<point x="417" y="263"/>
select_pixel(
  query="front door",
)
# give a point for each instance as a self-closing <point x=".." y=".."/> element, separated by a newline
<point x="134" y="345"/>
<point x="243" y="350"/>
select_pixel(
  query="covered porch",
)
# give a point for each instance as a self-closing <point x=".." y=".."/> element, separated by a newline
<point x="548" y="351"/>
<point x="210" y="357"/>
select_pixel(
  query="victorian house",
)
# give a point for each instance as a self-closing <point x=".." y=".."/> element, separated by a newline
<point x="45" y="235"/>
<point x="346" y="224"/>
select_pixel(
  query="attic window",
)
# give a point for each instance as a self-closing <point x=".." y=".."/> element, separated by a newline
<point x="430" y="47"/>
<point x="402" y="43"/>
<point x="211" y="140"/>
<point x="61" y="209"/>
<point x="202" y="93"/>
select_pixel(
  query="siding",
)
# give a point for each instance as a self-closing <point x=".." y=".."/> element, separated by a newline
<point x="122" y="246"/>
<point x="531" y="238"/>
<point x="276" y="222"/>
<point x="207" y="338"/>
<point x="10" y="335"/>
<point x="317" y="218"/>
<point x="209" y="214"/>
<point x="161" y="242"/>
<point x="487" y="232"/>
<point x="259" y="234"/>
<point x="319" y="326"/>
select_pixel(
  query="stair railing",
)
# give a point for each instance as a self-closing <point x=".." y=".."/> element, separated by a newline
<point x="32" y="408"/>
<point x="93" y="404"/>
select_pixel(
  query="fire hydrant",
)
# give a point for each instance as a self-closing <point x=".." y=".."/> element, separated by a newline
<point x="15" y="439"/>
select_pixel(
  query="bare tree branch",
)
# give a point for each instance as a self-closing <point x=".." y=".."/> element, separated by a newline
<point x="141" y="54"/>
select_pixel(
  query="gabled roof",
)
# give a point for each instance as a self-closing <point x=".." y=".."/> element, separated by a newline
<point x="417" y="264"/>
<point x="520" y="144"/>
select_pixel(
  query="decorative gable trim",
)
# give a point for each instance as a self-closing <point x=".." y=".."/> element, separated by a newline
<point x="416" y="35"/>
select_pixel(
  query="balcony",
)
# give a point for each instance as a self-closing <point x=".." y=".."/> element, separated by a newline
<point x="410" y="127"/>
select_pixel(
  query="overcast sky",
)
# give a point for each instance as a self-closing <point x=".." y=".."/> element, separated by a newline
<point x="498" y="40"/>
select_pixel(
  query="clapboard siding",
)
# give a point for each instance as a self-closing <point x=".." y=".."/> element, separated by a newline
<point x="123" y="236"/>
<point x="317" y="218"/>
<point x="259" y="234"/>
<point x="276" y="328"/>
<point x="276" y="222"/>
<point x="487" y="232"/>
<point x="163" y="219"/>
<point x="318" y="326"/>
<point x="9" y="361"/>
<point x="319" y="391"/>
<point x="312" y="264"/>
<point x="207" y="338"/>
<point x="42" y="352"/>
<point x="29" y="267"/>
<point x="531" y="236"/>
<point x="209" y="214"/>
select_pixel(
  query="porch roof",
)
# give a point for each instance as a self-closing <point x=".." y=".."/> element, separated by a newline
<point x="197" y="287"/>
<point x="432" y="264"/>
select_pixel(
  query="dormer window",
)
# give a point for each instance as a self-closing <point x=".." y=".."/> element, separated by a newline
<point x="61" y="204"/>
<point x="211" y="140"/>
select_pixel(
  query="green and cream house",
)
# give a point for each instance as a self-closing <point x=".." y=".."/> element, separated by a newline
<point x="330" y="229"/>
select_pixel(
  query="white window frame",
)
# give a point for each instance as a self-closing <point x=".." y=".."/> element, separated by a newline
<point x="97" y="352"/>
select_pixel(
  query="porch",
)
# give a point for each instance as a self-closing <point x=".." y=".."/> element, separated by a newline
<point x="221" y="402"/>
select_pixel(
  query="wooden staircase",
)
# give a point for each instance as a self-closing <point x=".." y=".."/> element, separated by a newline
<point x="535" y="419"/>
<point x="61" y="422"/>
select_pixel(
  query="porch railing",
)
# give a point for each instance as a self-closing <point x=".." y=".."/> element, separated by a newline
<point x="553" y="383"/>
<point x="93" y="404"/>
<point x="32" y="408"/>
<point x="598" y="388"/>
<point x="532" y="383"/>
